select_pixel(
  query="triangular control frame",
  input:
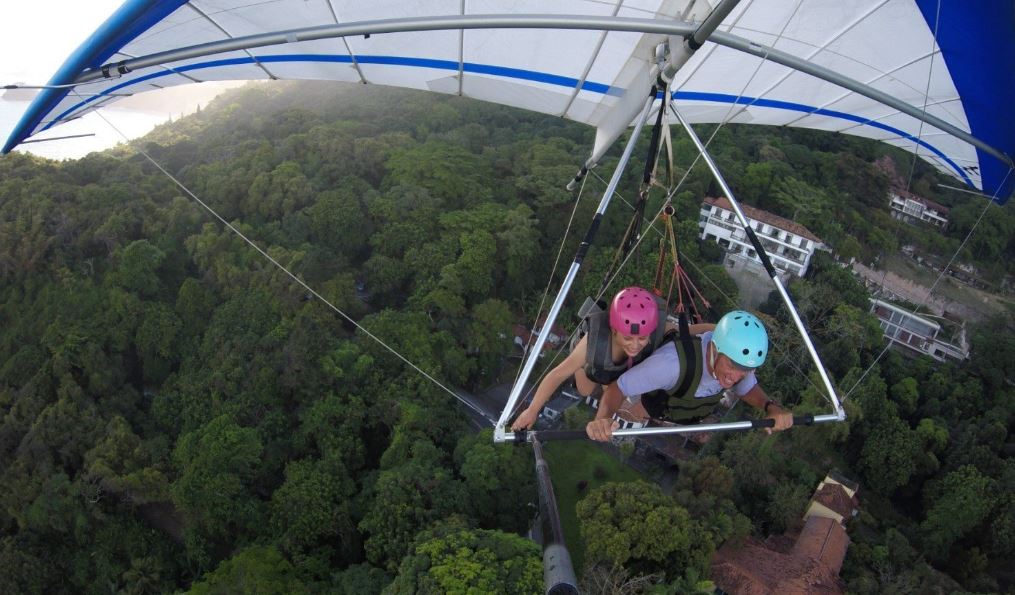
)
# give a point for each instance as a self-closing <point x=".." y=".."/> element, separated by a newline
<point x="838" y="414"/>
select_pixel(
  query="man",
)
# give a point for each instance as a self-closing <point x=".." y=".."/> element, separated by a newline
<point x="684" y="379"/>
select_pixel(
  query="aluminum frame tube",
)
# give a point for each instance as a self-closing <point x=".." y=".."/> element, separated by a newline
<point x="775" y="279"/>
<point x="729" y="426"/>
<point x="558" y="302"/>
<point x="606" y="23"/>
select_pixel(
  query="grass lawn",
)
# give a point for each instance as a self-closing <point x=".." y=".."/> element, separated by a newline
<point x="571" y="462"/>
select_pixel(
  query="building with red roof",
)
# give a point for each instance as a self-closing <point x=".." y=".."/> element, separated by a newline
<point x="789" y="245"/>
<point x="808" y="562"/>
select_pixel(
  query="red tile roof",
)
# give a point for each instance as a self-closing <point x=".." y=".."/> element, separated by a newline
<point x="886" y="165"/>
<point x="825" y="540"/>
<point x="753" y="569"/>
<point x="765" y="217"/>
<point x="528" y="337"/>
<point x="834" y="497"/>
<point x="943" y="210"/>
<point x="810" y="563"/>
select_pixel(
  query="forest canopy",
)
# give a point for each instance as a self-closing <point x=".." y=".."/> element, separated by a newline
<point x="178" y="415"/>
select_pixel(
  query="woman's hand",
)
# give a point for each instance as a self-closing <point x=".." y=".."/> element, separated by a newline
<point x="525" y="420"/>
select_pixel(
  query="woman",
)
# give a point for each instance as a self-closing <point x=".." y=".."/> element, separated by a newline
<point x="605" y="352"/>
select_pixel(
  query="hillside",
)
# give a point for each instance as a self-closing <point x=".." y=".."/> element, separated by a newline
<point x="179" y="415"/>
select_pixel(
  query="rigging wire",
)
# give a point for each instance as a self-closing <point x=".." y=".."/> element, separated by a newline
<point x="702" y="275"/>
<point x="292" y="275"/>
<point x="940" y="276"/>
<point x="926" y="95"/>
<point x="920" y="135"/>
<point x="912" y="169"/>
<point x="553" y="271"/>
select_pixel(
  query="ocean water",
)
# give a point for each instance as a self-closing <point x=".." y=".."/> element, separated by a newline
<point x="130" y="123"/>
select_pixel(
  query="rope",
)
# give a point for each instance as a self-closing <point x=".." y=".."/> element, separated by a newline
<point x="935" y="284"/>
<point x="553" y="271"/>
<point x="702" y="275"/>
<point x="912" y="169"/>
<point x="926" y="95"/>
<point x="292" y="276"/>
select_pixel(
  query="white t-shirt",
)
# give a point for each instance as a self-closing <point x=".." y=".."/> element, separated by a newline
<point x="661" y="370"/>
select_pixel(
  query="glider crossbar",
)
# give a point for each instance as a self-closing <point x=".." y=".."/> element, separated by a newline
<point x="530" y="361"/>
<point x="760" y="249"/>
<point x="558" y="21"/>
<point x="734" y="426"/>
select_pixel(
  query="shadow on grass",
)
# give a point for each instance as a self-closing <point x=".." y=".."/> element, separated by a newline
<point x="577" y="468"/>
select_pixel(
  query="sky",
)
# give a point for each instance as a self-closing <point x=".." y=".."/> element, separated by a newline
<point x="35" y="39"/>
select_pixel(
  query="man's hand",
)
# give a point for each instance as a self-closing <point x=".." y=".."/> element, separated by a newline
<point x="783" y="419"/>
<point x="601" y="430"/>
<point x="525" y="420"/>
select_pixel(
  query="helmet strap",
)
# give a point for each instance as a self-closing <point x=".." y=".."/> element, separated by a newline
<point x="713" y="355"/>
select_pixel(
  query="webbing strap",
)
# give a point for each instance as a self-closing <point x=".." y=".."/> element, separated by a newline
<point x="690" y="367"/>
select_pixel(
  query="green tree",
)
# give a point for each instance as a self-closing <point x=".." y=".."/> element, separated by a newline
<point x="257" y="569"/>
<point x="956" y="504"/>
<point x="470" y="561"/>
<point x="122" y="464"/>
<point x="312" y="509"/>
<point x="360" y="579"/>
<point x="216" y="463"/>
<point x="450" y="173"/>
<point x="276" y="193"/>
<point x="906" y="394"/>
<point x="637" y="526"/>
<point x="499" y="482"/>
<point x="339" y="221"/>
<point x="405" y="499"/>
<point x="137" y="268"/>
<point x="889" y="454"/>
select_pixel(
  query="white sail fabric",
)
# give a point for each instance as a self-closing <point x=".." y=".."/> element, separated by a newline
<point x="917" y="51"/>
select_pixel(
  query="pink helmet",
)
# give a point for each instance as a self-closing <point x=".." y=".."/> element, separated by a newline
<point x="634" y="312"/>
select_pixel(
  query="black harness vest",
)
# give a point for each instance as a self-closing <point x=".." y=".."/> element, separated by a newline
<point x="599" y="366"/>
<point x="679" y="403"/>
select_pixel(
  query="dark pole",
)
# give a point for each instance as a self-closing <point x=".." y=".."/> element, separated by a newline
<point x="558" y="573"/>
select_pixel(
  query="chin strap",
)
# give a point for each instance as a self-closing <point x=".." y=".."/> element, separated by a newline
<point x="713" y="355"/>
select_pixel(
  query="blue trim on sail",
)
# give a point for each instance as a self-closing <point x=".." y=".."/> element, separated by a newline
<point x="977" y="43"/>
<point x="517" y="74"/>
<point x="810" y="109"/>
<point x="130" y="20"/>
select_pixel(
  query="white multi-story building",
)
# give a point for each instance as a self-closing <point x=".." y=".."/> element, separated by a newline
<point x="909" y="208"/>
<point x="789" y="245"/>
<point x="915" y="332"/>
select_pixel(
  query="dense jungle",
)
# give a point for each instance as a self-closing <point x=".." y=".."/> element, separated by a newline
<point x="178" y="415"/>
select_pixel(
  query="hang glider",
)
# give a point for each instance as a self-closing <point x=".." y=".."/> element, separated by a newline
<point x="933" y="77"/>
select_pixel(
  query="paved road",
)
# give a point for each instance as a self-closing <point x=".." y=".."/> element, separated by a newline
<point x="485" y="408"/>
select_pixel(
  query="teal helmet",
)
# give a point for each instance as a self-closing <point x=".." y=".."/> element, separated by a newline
<point x="741" y="337"/>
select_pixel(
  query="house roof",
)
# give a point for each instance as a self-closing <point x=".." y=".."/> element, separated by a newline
<point x="839" y="477"/>
<point x="886" y="165"/>
<point x="924" y="201"/>
<point x="765" y="217"/>
<point x="823" y="539"/>
<point x="808" y="564"/>
<point x="834" y="497"/>
<point x="754" y="569"/>
<point x="528" y="336"/>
